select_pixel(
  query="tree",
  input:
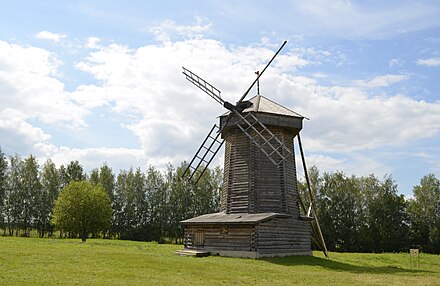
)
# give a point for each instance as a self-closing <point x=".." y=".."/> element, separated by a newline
<point x="385" y="227"/>
<point x="424" y="212"/>
<point x="3" y="189"/>
<point x="185" y="200"/>
<point x="361" y="214"/>
<point x="14" y="206"/>
<point x="158" y="193"/>
<point x="340" y="212"/>
<point x="181" y="200"/>
<point x="94" y="176"/>
<point x="207" y="192"/>
<point x="131" y="207"/>
<point x="50" y="188"/>
<point x="82" y="209"/>
<point x="119" y="204"/>
<point x="139" y="223"/>
<point x="30" y="193"/>
<point x="73" y="172"/>
<point x="106" y="179"/>
<point x="315" y="186"/>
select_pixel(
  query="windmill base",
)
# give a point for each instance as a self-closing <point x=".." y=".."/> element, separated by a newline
<point x="248" y="235"/>
<point x="254" y="254"/>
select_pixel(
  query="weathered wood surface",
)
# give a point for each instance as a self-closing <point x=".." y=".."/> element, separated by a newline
<point x="252" y="182"/>
<point x="283" y="234"/>
<point x="239" y="238"/>
<point x="253" y="185"/>
<point x="192" y="252"/>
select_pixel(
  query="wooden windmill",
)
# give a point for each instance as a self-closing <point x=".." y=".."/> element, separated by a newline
<point x="260" y="206"/>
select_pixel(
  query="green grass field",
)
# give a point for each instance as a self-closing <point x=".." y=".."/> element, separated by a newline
<point x="34" y="261"/>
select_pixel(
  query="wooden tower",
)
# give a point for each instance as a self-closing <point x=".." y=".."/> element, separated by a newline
<point x="260" y="215"/>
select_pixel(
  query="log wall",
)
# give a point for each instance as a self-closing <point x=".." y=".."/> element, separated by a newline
<point x="221" y="237"/>
<point x="282" y="236"/>
<point x="236" y="192"/>
<point x="252" y="183"/>
<point x="274" y="237"/>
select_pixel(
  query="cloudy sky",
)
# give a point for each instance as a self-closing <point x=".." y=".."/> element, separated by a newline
<point x="100" y="81"/>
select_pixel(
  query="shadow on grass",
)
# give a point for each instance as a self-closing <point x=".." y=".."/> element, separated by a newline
<point x="339" y="266"/>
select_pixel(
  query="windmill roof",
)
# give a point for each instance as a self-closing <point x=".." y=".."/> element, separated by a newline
<point x="263" y="104"/>
<point x="238" y="218"/>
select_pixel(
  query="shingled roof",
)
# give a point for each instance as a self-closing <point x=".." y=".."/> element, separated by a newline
<point x="263" y="104"/>
<point x="238" y="218"/>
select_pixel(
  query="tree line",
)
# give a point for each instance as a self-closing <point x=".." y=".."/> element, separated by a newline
<point x="367" y="214"/>
<point x="356" y="214"/>
<point x="145" y="205"/>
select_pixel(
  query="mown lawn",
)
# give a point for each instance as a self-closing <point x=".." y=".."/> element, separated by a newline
<point x="34" y="261"/>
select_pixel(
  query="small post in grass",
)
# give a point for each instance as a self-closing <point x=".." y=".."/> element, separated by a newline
<point x="414" y="257"/>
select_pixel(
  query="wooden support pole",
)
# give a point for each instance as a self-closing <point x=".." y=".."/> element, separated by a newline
<point x="312" y="201"/>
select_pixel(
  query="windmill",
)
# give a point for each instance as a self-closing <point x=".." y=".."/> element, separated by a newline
<point x="260" y="205"/>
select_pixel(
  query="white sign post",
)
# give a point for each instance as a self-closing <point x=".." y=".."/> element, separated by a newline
<point x="414" y="257"/>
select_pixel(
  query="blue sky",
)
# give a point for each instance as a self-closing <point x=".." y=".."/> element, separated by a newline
<point x="100" y="81"/>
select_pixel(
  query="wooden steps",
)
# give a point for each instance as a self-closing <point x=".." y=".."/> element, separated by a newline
<point x="192" y="252"/>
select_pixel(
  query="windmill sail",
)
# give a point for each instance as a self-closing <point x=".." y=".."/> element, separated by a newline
<point x="269" y="144"/>
<point x="204" y="156"/>
<point x="203" y="85"/>
<point x="261" y="73"/>
<point x="266" y="141"/>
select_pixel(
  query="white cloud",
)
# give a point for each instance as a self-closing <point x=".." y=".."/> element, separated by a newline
<point x="45" y="35"/>
<point x="28" y="82"/>
<point x="30" y="92"/>
<point x="347" y="120"/>
<point x="16" y="59"/>
<point x="147" y="83"/>
<point x="323" y="162"/>
<point x="395" y="62"/>
<point x="356" y="163"/>
<point x="168" y="29"/>
<point x="382" y="81"/>
<point x="319" y="75"/>
<point x="91" y="158"/>
<point x="92" y="43"/>
<point x="314" y="56"/>
<point x="17" y="133"/>
<point x="352" y="119"/>
<point x="431" y="62"/>
<point x="170" y="117"/>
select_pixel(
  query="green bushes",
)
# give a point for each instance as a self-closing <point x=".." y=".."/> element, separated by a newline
<point x="82" y="209"/>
